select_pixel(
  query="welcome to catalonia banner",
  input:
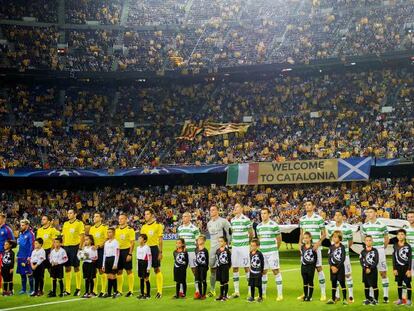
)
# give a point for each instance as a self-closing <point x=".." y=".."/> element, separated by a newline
<point x="303" y="171"/>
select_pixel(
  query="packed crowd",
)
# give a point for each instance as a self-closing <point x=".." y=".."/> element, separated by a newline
<point x="323" y="117"/>
<point x="211" y="34"/>
<point x="103" y="11"/>
<point x="394" y="197"/>
<point x="41" y="10"/>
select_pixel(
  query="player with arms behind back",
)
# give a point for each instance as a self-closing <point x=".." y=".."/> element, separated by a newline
<point x="270" y="238"/>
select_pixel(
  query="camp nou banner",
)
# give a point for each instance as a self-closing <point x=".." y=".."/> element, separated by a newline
<point x="303" y="171"/>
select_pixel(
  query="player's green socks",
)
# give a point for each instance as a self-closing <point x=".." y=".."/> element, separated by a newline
<point x="131" y="282"/>
<point x="159" y="280"/>
<point x="68" y="281"/>
<point x="78" y="277"/>
<point x="120" y="279"/>
<point x="104" y="282"/>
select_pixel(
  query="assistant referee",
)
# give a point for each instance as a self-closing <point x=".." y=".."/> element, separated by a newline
<point x="48" y="233"/>
<point x="154" y="232"/>
<point x="73" y="233"/>
<point x="99" y="232"/>
<point x="125" y="236"/>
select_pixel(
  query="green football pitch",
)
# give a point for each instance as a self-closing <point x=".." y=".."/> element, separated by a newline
<point x="292" y="287"/>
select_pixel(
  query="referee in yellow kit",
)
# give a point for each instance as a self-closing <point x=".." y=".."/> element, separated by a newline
<point x="99" y="233"/>
<point x="154" y="232"/>
<point x="48" y="233"/>
<point x="73" y="233"/>
<point x="125" y="236"/>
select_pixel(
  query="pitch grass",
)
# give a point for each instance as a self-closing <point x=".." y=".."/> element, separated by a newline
<point x="292" y="287"/>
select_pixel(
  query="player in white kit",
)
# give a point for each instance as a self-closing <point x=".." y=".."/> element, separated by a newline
<point x="270" y="238"/>
<point x="242" y="233"/>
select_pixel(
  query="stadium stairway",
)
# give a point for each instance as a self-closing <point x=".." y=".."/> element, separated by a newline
<point x="188" y="9"/>
<point x="125" y="12"/>
<point x="61" y="12"/>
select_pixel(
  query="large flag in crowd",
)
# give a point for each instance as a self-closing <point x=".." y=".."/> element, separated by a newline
<point x="190" y="130"/>
<point x="213" y="129"/>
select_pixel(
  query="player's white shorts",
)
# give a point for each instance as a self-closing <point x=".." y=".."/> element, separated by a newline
<point x="347" y="264"/>
<point x="240" y="257"/>
<point x="382" y="260"/>
<point x="271" y="261"/>
<point x="192" y="259"/>
<point x="319" y="259"/>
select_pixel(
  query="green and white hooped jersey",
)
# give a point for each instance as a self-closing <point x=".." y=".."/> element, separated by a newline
<point x="267" y="234"/>
<point x="240" y="227"/>
<point x="377" y="230"/>
<point x="313" y="224"/>
<point x="347" y="234"/>
<point x="189" y="233"/>
<point x="410" y="236"/>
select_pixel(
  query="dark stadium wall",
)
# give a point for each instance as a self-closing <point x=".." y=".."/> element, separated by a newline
<point x="390" y="60"/>
<point x="401" y="170"/>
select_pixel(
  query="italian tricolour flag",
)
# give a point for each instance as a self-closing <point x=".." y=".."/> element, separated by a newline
<point x="243" y="174"/>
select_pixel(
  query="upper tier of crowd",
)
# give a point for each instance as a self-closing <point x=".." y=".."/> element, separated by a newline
<point x="193" y="34"/>
<point x="293" y="117"/>
<point x="393" y="197"/>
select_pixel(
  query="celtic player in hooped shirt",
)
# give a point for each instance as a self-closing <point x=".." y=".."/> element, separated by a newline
<point x="189" y="232"/>
<point x="379" y="233"/>
<point x="314" y="224"/>
<point x="268" y="232"/>
<point x="347" y="241"/>
<point x="242" y="233"/>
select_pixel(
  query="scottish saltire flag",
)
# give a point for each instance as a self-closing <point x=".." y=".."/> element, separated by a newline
<point x="354" y="169"/>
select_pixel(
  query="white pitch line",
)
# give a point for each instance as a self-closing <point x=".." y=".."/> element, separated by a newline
<point x="43" y="304"/>
<point x="78" y="299"/>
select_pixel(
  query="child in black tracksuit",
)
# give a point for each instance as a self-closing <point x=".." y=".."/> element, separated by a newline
<point x="401" y="262"/>
<point x="223" y="259"/>
<point x="369" y="260"/>
<point x="201" y="255"/>
<point x="180" y="268"/>
<point x="337" y="268"/>
<point x="7" y="267"/>
<point x="256" y="270"/>
<point x="309" y="258"/>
